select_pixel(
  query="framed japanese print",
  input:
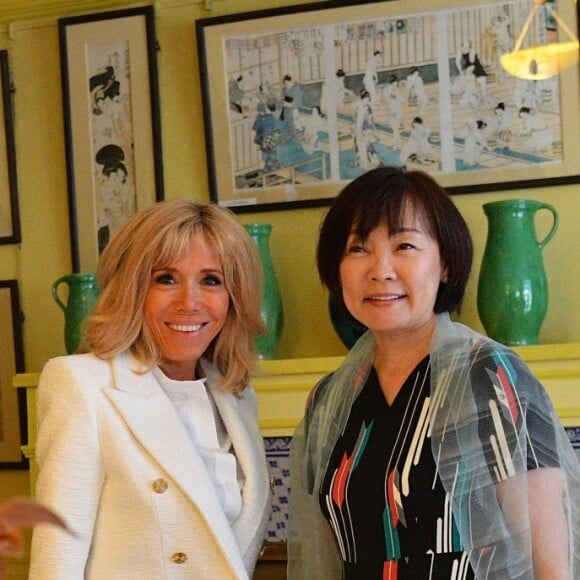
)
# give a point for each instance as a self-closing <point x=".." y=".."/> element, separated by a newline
<point x="300" y="100"/>
<point x="111" y="113"/>
<point x="13" y="427"/>
<point x="9" y="214"/>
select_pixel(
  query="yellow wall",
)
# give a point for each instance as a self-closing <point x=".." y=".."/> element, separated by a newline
<point x="28" y="29"/>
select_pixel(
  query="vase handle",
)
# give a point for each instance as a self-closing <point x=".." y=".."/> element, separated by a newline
<point x="555" y="224"/>
<point x="55" y="295"/>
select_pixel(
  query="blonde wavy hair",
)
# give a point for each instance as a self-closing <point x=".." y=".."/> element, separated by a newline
<point x="152" y="239"/>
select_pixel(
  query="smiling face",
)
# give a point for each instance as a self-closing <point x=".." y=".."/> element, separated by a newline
<point x="186" y="307"/>
<point x="390" y="280"/>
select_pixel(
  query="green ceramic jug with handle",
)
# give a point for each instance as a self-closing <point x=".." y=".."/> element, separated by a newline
<point x="82" y="295"/>
<point x="512" y="295"/>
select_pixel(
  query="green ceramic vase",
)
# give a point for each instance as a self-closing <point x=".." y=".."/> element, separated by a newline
<point x="346" y="326"/>
<point x="512" y="295"/>
<point x="271" y="302"/>
<point x="82" y="295"/>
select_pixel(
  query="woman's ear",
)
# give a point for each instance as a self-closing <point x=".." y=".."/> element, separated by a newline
<point x="444" y="275"/>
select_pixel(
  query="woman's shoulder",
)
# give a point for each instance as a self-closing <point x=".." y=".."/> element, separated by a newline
<point x="504" y="369"/>
<point x="488" y="351"/>
<point x="458" y="345"/>
<point x="66" y="380"/>
<point x="74" y="362"/>
<point x="464" y="352"/>
<point x="83" y="368"/>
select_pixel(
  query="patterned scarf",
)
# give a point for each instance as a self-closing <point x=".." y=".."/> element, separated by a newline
<point x="491" y="505"/>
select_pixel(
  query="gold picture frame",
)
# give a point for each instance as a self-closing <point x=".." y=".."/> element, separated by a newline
<point x="112" y="124"/>
<point x="473" y="133"/>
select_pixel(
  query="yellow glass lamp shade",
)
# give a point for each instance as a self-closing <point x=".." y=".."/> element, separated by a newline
<point x="541" y="62"/>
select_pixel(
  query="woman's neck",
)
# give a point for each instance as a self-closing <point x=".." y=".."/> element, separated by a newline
<point x="397" y="355"/>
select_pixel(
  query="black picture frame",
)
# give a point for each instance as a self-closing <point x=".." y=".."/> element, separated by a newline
<point x="112" y="124"/>
<point x="249" y="54"/>
<point x="13" y="417"/>
<point x="9" y="211"/>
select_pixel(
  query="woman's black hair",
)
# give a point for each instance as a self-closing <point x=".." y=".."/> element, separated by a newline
<point x="382" y="196"/>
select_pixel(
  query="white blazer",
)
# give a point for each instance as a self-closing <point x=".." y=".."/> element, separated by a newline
<point x="118" y="465"/>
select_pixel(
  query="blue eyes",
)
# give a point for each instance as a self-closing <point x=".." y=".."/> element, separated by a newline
<point x="164" y="279"/>
<point x="212" y="281"/>
<point x="170" y="279"/>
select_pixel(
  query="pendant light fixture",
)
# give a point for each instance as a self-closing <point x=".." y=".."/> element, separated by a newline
<point x="541" y="61"/>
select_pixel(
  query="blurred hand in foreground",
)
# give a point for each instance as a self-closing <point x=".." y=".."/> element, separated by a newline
<point x="15" y="514"/>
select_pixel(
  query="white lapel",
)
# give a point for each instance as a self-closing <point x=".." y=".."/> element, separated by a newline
<point x="148" y="412"/>
<point x="239" y="417"/>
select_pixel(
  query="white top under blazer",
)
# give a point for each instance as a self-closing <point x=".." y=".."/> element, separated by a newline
<point x="200" y="416"/>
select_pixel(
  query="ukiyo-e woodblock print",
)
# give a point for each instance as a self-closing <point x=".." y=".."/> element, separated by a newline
<point x="12" y="402"/>
<point x="293" y="111"/>
<point x="112" y="123"/>
<point x="9" y="214"/>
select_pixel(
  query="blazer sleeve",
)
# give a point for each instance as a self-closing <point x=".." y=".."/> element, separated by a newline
<point x="71" y="467"/>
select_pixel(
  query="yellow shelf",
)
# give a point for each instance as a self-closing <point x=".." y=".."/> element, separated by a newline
<point x="282" y="386"/>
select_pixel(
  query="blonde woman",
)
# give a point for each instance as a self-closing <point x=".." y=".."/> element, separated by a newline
<point x="148" y="445"/>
